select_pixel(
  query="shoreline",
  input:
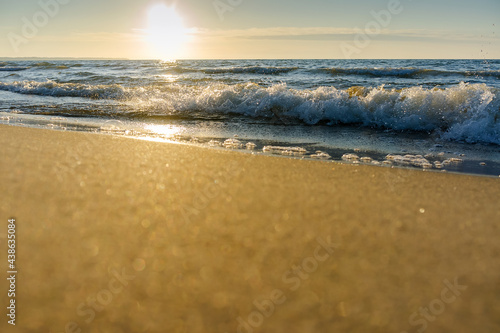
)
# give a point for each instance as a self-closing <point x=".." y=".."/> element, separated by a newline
<point x="473" y="166"/>
<point x="204" y="240"/>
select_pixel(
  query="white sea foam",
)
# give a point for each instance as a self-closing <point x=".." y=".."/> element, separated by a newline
<point x="350" y="157"/>
<point x="233" y="144"/>
<point x="321" y="155"/>
<point x="466" y="112"/>
<point x="52" y="88"/>
<point x="289" y="151"/>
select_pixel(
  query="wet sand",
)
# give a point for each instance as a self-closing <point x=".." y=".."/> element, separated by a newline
<point x="122" y="235"/>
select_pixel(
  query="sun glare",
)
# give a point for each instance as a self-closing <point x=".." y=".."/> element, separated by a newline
<point x="166" y="33"/>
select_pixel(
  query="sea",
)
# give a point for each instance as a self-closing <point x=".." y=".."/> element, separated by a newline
<point x="433" y="115"/>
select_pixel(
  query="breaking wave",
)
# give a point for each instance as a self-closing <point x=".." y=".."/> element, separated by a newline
<point x="52" y="88"/>
<point x="464" y="112"/>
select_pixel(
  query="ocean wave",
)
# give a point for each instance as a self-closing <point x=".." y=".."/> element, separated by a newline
<point x="12" y="69"/>
<point x="464" y="112"/>
<point x="251" y="70"/>
<point x="378" y="72"/>
<point x="43" y="64"/>
<point x="407" y="72"/>
<point x="49" y="65"/>
<point x="483" y="73"/>
<point x="237" y="70"/>
<point x="52" y="88"/>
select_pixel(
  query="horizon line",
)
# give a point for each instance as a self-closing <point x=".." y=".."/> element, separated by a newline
<point x="190" y="59"/>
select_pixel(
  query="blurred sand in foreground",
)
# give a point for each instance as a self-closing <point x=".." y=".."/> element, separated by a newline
<point x="123" y="235"/>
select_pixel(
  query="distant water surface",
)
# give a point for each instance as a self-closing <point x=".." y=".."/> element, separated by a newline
<point x="432" y="114"/>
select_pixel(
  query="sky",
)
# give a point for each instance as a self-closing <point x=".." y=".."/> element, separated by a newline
<point x="251" y="29"/>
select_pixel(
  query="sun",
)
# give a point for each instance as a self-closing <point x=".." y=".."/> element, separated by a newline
<point x="166" y="33"/>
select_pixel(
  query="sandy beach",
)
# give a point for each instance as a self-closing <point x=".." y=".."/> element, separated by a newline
<point x="124" y="235"/>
